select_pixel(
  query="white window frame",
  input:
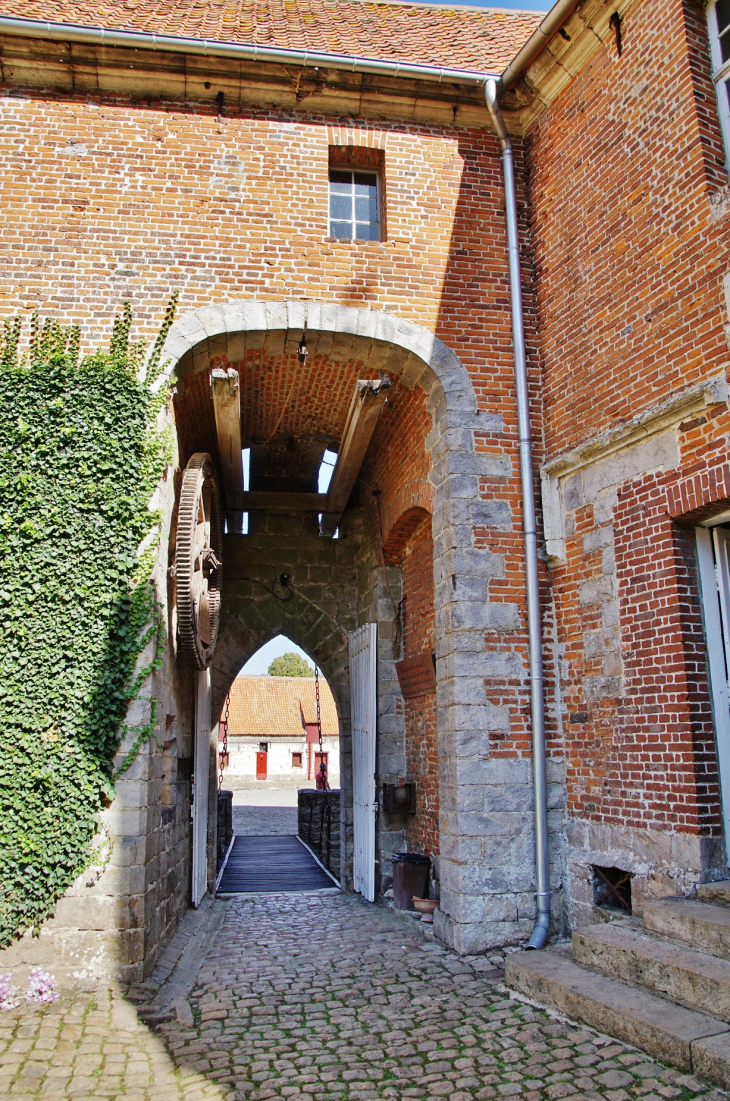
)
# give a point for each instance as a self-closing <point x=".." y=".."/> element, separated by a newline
<point x="713" y="560"/>
<point x="721" y="77"/>
<point x="366" y="170"/>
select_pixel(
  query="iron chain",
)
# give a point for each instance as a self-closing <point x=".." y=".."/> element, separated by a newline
<point x="223" y="753"/>
<point x="322" y="762"/>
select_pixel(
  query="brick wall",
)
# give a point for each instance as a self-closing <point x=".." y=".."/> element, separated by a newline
<point x="630" y="249"/>
<point x="420" y="712"/>
<point x="131" y="193"/>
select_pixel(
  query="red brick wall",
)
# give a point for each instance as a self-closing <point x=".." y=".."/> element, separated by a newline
<point x="629" y="256"/>
<point x="628" y="259"/>
<point x="109" y="198"/>
<point x="420" y="713"/>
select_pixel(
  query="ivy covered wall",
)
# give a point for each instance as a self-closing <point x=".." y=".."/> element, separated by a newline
<point x="80" y="457"/>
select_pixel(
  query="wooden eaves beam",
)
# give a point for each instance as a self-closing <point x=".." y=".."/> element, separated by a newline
<point x="270" y="501"/>
<point x="365" y="408"/>
<point x="226" y="393"/>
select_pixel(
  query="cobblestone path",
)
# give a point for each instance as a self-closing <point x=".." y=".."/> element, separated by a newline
<point x="328" y="999"/>
<point x="251" y="821"/>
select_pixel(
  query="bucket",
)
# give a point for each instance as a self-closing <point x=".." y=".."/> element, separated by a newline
<point x="410" y="877"/>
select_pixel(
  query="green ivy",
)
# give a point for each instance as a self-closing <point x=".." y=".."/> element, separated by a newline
<point x="80" y="457"/>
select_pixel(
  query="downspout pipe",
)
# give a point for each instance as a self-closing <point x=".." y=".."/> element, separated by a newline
<point x="537" y="704"/>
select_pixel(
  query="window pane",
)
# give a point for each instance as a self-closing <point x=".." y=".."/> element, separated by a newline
<point x="725" y="45"/>
<point x="366" y="208"/>
<point x="366" y="231"/>
<point x="342" y="230"/>
<point x="340" y="177"/>
<point x="340" y="207"/>
<point x="369" y="179"/>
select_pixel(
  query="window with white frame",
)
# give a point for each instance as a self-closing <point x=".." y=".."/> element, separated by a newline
<point x="355" y="204"/>
<point x="718" y="18"/>
<point x="713" y="560"/>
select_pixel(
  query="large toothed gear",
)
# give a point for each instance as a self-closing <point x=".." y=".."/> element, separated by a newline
<point x="198" y="566"/>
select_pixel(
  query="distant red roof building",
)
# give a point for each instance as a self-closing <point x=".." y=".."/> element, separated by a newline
<point x="457" y="37"/>
<point x="272" y="707"/>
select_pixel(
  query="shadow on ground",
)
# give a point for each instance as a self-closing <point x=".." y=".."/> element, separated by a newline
<point x="319" y="998"/>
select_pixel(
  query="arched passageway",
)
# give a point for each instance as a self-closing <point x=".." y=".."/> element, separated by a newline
<point x="297" y="364"/>
<point x="279" y="803"/>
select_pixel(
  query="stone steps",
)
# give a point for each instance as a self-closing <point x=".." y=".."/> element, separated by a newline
<point x="663" y="985"/>
<point x="715" y="892"/>
<point x="686" y="1038"/>
<point x="700" y="924"/>
<point x="696" y="979"/>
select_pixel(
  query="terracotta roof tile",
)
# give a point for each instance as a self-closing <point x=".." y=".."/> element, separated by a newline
<point x="269" y="707"/>
<point x="480" y="39"/>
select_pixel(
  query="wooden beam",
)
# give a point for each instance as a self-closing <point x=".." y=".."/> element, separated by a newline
<point x="263" y="501"/>
<point x="365" y="408"/>
<point x="227" y="405"/>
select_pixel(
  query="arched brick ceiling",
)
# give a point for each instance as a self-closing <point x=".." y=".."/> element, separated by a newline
<point x="290" y="413"/>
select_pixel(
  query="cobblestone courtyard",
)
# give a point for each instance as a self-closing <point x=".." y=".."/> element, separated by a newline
<point x="317" y="997"/>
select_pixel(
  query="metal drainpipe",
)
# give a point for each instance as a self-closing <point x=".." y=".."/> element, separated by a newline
<point x="542" y="924"/>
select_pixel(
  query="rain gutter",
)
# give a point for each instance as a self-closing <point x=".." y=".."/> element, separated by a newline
<point x="537" y="42"/>
<point x="279" y="55"/>
<point x="534" y="626"/>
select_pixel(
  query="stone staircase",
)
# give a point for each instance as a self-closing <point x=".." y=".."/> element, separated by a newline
<point x="662" y="984"/>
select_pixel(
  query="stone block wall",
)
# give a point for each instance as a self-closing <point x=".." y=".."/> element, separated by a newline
<point x="318" y="825"/>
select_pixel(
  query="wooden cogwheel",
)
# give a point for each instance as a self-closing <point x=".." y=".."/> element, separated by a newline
<point x="198" y="569"/>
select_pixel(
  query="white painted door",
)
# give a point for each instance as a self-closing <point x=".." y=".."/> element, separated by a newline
<point x="363" y="655"/>
<point x="713" y="555"/>
<point x="200" y="787"/>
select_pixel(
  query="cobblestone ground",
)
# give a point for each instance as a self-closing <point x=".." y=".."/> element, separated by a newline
<point x="325" y="998"/>
<point x="249" y="821"/>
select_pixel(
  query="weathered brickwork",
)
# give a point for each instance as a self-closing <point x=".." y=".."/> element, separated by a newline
<point x="127" y="196"/>
<point x="420" y="712"/>
<point x="157" y="183"/>
<point x="630" y="253"/>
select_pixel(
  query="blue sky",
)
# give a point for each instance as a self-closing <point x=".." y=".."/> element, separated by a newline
<point x="258" y="665"/>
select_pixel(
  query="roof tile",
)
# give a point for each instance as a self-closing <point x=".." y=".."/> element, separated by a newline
<point x="272" y="707"/>
<point x="480" y="39"/>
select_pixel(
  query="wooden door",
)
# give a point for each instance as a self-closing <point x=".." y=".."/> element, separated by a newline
<point x="363" y="695"/>
<point x="261" y="765"/>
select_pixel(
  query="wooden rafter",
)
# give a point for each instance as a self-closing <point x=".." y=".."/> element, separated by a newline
<point x="264" y="501"/>
<point x="365" y="408"/>
<point x="227" y="405"/>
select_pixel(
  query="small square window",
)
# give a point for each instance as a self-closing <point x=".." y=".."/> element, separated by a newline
<point x="354" y="211"/>
<point x="296" y="760"/>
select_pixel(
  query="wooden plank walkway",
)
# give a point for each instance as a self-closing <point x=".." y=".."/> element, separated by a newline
<point x="265" y="864"/>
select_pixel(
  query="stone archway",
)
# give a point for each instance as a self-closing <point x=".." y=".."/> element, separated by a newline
<point x="385" y="341"/>
<point x="252" y="615"/>
<point x="462" y="570"/>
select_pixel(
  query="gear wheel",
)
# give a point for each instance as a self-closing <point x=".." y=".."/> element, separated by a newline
<point x="198" y="567"/>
